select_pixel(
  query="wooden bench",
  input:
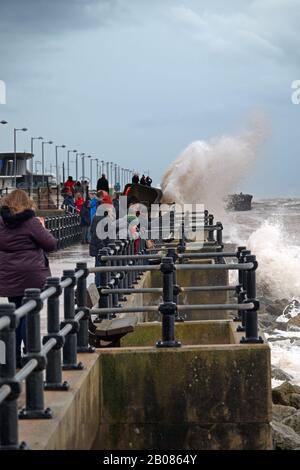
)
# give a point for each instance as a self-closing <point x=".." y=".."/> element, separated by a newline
<point x="108" y="333"/>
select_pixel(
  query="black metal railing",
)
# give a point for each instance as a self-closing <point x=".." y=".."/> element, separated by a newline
<point x="55" y="352"/>
<point x="119" y="271"/>
<point x="65" y="228"/>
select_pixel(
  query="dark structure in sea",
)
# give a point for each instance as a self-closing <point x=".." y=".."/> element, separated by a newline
<point x="239" y="202"/>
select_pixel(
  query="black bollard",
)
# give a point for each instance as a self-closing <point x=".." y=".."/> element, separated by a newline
<point x="251" y="326"/>
<point x="70" y="346"/>
<point x="168" y="307"/>
<point x="81" y="297"/>
<point x="54" y="365"/>
<point x="9" y="407"/>
<point x="34" y="408"/>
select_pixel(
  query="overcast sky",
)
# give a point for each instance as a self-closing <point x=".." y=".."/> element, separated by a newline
<point x="135" y="81"/>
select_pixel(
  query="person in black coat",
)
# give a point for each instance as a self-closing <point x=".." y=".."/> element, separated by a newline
<point x="85" y="221"/>
<point x="135" y="179"/>
<point x="143" y="180"/>
<point x="102" y="184"/>
<point x="148" y="181"/>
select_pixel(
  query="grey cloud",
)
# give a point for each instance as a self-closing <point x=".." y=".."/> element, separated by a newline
<point x="44" y="16"/>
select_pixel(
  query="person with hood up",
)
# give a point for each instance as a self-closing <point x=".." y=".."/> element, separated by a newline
<point x="23" y="263"/>
<point x="103" y="184"/>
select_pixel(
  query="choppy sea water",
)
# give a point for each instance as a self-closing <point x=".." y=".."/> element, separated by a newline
<point x="272" y="231"/>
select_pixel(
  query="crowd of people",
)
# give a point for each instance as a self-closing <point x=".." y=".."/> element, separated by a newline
<point x="144" y="180"/>
<point x="25" y="242"/>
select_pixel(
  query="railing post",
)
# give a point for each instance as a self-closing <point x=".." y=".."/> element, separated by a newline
<point x="210" y="237"/>
<point x="70" y="346"/>
<point x="54" y="366"/>
<point x="205" y="217"/>
<point x="168" y="307"/>
<point x="121" y="245"/>
<point x="251" y="327"/>
<point x="9" y="407"/>
<point x="181" y="245"/>
<point x="220" y="236"/>
<point x="81" y="296"/>
<point x="115" y="276"/>
<point x="239" y="288"/>
<point x="104" y="298"/>
<point x="176" y="289"/>
<point x="243" y="293"/>
<point x="34" y="408"/>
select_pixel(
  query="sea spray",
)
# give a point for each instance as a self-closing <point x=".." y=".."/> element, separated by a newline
<point x="207" y="171"/>
<point x="278" y="273"/>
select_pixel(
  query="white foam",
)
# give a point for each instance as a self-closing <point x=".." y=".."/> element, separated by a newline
<point x="278" y="262"/>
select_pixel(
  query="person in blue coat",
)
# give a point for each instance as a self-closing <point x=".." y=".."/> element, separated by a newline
<point x="93" y="205"/>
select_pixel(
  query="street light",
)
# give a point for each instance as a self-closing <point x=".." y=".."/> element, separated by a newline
<point x="107" y="172"/>
<point x="68" y="163"/>
<point x="32" y="155"/>
<point x="43" y="160"/>
<point x="56" y="161"/>
<point x="3" y="122"/>
<point x="77" y="155"/>
<point x="91" y="169"/>
<point x="102" y="167"/>
<point x="83" y="157"/>
<point x="23" y="129"/>
<point x="36" y="163"/>
<point x="111" y="174"/>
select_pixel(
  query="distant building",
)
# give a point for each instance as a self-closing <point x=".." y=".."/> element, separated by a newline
<point x="23" y="173"/>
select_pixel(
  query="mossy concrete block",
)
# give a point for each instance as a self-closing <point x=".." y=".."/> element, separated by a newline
<point x="192" y="388"/>
<point x="221" y="436"/>
<point x="187" y="278"/>
<point x="188" y="333"/>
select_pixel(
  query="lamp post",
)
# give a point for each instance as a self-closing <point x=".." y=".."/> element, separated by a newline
<point x="68" y="161"/>
<point x="91" y="170"/>
<point x="23" y="129"/>
<point x="43" y="160"/>
<point x="83" y="169"/>
<point x="3" y="122"/>
<point x="107" y="171"/>
<point x="102" y="167"/>
<point x="97" y="160"/>
<point x="56" y="161"/>
<point x="116" y="173"/>
<point x="36" y="163"/>
<point x="32" y="155"/>
<point x="111" y="173"/>
<point x="76" y="160"/>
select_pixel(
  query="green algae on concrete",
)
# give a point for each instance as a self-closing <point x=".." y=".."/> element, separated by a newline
<point x="188" y="333"/>
<point x="186" y="389"/>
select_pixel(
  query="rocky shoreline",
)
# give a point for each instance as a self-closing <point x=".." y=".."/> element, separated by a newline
<point x="286" y="397"/>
